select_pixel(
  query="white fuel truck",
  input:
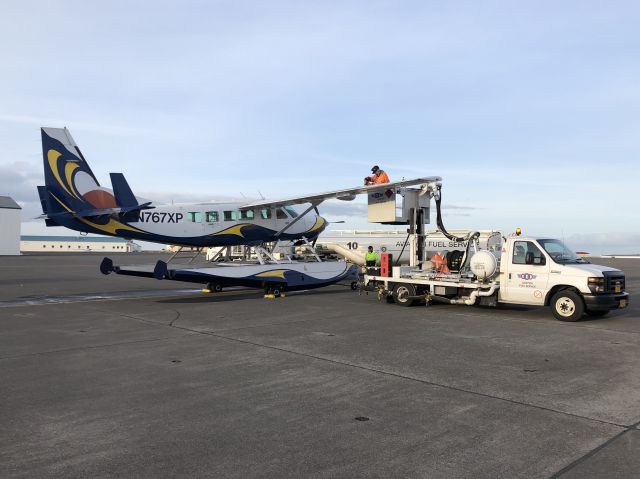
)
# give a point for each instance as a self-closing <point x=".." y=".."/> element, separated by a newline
<point x="535" y="271"/>
<point x="525" y="270"/>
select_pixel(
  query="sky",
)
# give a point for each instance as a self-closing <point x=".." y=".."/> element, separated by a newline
<point x="529" y="111"/>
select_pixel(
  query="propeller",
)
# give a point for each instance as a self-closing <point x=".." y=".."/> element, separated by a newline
<point x="315" y="208"/>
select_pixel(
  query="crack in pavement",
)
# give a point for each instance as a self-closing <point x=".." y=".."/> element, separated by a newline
<point x="400" y="376"/>
<point x="278" y="323"/>
<point x="594" y="451"/>
<point x="81" y="348"/>
<point x="217" y="334"/>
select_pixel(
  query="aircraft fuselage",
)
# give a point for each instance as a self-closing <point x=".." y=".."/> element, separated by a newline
<point x="202" y="224"/>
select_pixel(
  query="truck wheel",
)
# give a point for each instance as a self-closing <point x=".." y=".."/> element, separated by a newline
<point x="598" y="313"/>
<point x="402" y="294"/>
<point x="567" y="305"/>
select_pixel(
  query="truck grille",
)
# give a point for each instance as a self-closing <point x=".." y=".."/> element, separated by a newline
<point x="614" y="283"/>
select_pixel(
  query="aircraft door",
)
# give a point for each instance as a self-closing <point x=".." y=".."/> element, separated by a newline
<point x="211" y="221"/>
<point x="194" y="224"/>
<point x="266" y="217"/>
<point x="282" y="219"/>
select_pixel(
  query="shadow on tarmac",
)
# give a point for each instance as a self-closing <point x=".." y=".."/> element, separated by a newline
<point x="243" y="295"/>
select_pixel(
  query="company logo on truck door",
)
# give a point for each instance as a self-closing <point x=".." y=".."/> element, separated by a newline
<point x="527" y="276"/>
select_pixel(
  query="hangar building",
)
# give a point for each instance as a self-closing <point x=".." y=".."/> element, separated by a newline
<point x="9" y="226"/>
<point x="75" y="244"/>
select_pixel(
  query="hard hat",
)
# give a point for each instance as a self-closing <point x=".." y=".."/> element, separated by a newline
<point x="518" y="231"/>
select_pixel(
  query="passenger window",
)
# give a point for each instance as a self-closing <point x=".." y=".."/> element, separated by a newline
<point x="246" y="215"/>
<point x="281" y="215"/>
<point x="525" y="252"/>
<point x="212" y="216"/>
<point x="231" y="216"/>
<point x="265" y="213"/>
<point x="195" y="216"/>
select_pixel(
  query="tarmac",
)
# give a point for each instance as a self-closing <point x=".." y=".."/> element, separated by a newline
<point x="113" y="376"/>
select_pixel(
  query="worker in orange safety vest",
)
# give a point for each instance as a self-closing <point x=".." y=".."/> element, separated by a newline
<point x="379" y="177"/>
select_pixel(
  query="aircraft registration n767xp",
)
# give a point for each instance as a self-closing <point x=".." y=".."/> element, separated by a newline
<point x="72" y="197"/>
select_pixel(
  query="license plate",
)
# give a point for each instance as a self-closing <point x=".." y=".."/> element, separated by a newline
<point x="623" y="303"/>
<point x="618" y="288"/>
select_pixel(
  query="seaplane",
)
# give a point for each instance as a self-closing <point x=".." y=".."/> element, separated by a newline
<point x="73" y="198"/>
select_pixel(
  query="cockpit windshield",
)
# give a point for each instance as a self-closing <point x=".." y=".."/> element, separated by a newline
<point x="293" y="213"/>
<point x="559" y="252"/>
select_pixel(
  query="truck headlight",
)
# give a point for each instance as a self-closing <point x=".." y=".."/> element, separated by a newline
<point x="596" y="285"/>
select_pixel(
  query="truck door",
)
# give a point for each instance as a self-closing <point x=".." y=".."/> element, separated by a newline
<point x="527" y="274"/>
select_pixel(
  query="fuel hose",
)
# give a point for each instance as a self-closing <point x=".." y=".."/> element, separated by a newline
<point x="443" y="230"/>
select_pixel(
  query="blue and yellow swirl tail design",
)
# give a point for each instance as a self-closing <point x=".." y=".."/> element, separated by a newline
<point x="69" y="182"/>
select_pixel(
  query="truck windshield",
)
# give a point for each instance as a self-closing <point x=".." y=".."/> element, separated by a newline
<point x="559" y="252"/>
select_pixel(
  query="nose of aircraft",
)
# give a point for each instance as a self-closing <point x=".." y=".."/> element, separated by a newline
<point x="315" y="225"/>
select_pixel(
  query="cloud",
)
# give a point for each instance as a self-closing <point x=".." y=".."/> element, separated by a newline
<point x="343" y="209"/>
<point x="19" y="180"/>
<point x="459" y="207"/>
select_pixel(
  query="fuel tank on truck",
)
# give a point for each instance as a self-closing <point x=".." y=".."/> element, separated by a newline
<point x="353" y="244"/>
<point x="485" y="264"/>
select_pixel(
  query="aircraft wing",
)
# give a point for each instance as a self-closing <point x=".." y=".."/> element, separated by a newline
<point x="347" y="194"/>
